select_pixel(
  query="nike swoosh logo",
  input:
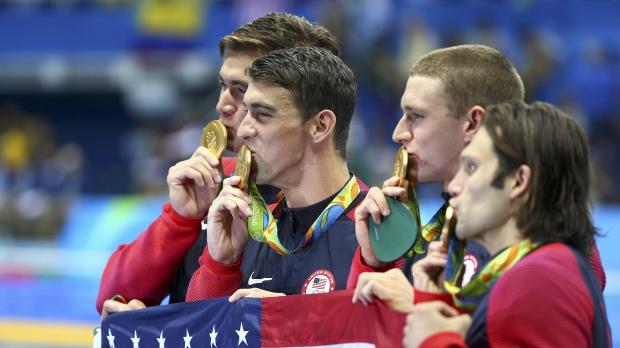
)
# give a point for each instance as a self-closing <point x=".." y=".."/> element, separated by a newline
<point x="253" y="281"/>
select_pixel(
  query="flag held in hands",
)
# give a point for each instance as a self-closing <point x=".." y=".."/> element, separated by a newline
<point x="291" y="321"/>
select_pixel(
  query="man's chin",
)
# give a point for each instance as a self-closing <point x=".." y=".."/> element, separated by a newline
<point x="257" y="176"/>
<point x="459" y="233"/>
<point x="413" y="174"/>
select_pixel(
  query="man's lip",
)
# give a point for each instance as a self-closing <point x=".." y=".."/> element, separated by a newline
<point x="410" y="153"/>
<point x="413" y="160"/>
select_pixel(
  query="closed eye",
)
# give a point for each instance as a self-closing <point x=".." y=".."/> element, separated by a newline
<point x="262" y="115"/>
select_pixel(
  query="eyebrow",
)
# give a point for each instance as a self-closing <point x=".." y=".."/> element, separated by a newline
<point x="256" y="105"/>
<point x="410" y="108"/>
<point x="465" y="157"/>
<point x="235" y="82"/>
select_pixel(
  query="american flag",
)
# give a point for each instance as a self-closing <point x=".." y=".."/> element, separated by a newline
<point x="289" y="321"/>
<point x="319" y="283"/>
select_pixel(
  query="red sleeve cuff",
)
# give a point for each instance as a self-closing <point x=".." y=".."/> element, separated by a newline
<point x="420" y="296"/>
<point x="214" y="279"/>
<point x="358" y="266"/>
<point x="443" y="339"/>
<point x="366" y="268"/>
<point x="221" y="269"/>
<point x="179" y="219"/>
<point x="361" y="265"/>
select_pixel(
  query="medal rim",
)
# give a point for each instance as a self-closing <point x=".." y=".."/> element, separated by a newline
<point x="242" y="168"/>
<point x="221" y="137"/>
<point x="402" y="158"/>
<point x="448" y="227"/>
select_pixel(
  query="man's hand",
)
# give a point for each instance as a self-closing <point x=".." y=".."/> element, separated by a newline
<point x="428" y="273"/>
<point x="375" y="206"/>
<point x="111" y="306"/>
<point x="391" y="287"/>
<point x="227" y="223"/>
<point x="193" y="183"/>
<point x="429" y="318"/>
<point x="253" y="292"/>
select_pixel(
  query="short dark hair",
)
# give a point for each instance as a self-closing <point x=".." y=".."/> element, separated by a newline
<point x="317" y="80"/>
<point x="555" y="147"/>
<point x="471" y="75"/>
<point x="278" y="31"/>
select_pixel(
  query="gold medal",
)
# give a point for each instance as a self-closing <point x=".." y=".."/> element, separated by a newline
<point x="400" y="166"/>
<point x="448" y="228"/>
<point x="242" y="169"/>
<point x="214" y="137"/>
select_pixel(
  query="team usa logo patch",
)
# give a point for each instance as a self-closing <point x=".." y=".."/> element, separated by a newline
<point x="319" y="282"/>
<point x="470" y="262"/>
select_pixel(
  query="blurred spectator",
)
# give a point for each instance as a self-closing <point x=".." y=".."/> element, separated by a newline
<point x="539" y="66"/>
<point x="38" y="179"/>
<point x="416" y="41"/>
<point x="168" y="62"/>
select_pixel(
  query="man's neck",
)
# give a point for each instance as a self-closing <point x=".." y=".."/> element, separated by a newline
<point x="446" y="181"/>
<point x="315" y="180"/>
<point x="501" y="237"/>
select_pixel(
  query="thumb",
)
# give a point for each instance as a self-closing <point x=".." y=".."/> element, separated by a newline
<point x="461" y="323"/>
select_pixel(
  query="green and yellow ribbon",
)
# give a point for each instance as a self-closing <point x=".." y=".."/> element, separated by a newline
<point x="263" y="227"/>
<point x="485" y="279"/>
<point x="429" y="232"/>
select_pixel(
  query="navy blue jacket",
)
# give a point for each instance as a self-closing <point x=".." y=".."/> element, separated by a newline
<point x="321" y="266"/>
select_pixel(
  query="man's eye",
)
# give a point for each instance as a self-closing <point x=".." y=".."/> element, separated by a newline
<point x="414" y="116"/>
<point x="470" y="168"/>
<point x="238" y="92"/>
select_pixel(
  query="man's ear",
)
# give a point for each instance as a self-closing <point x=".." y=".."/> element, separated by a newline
<point x="321" y="125"/>
<point x="473" y="121"/>
<point x="522" y="182"/>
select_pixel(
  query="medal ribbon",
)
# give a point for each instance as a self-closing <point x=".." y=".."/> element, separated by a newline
<point x="429" y="232"/>
<point x="485" y="278"/>
<point x="262" y="225"/>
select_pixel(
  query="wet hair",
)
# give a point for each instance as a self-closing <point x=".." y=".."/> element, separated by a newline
<point x="317" y="80"/>
<point x="555" y="147"/>
<point x="278" y="31"/>
<point x="471" y="75"/>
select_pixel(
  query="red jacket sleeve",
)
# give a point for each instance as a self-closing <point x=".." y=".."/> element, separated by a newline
<point x="358" y="266"/>
<point x="213" y="279"/>
<point x="144" y="268"/>
<point x="446" y="339"/>
<point x="597" y="267"/>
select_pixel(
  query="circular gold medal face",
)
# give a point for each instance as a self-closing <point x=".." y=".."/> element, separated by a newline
<point x="400" y="165"/>
<point x="242" y="169"/>
<point x="214" y="137"/>
<point x="448" y="228"/>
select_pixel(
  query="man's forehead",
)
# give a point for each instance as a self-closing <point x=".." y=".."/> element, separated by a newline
<point x="266" y="91"/>
<point x="481" y="146"/>
<point x="421" y="91"/>
<point x="235" y="66"/>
